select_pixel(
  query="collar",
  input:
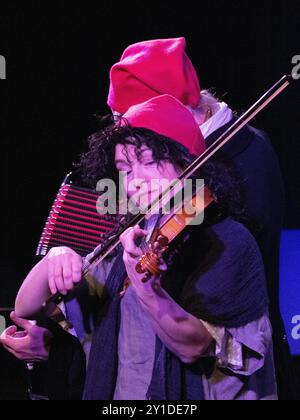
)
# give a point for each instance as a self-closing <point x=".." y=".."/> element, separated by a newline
<point x="222" y="116"/>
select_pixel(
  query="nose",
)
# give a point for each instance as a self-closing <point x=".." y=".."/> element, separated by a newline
<point x="140" y="178"/>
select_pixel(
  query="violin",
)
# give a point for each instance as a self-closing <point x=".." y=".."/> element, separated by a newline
<point x="150" y="262"/>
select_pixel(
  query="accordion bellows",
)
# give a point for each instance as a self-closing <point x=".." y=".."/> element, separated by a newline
<point x="74" y="221"/>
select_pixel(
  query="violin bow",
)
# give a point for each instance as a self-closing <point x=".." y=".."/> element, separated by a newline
<point x="106" y="249"/>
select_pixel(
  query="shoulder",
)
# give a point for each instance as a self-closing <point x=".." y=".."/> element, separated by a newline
<point x="233" y="233"/>
<point x="258" y="133"/>
<point x="261" y="142"/>
<point x="234" y="242"/>
<point x="261" y="139"/>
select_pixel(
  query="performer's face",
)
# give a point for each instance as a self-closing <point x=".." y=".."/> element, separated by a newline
<point x="143" y="173"/>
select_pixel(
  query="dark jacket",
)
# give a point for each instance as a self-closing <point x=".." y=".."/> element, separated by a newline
<point x="252" y="155"/>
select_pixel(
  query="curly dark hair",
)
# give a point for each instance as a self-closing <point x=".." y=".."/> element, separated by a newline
<point x="98" y="162"/>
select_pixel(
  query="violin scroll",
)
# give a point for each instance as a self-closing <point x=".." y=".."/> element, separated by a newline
<point x="151" y="261"/>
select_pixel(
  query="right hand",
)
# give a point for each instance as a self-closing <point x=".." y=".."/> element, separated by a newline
<point x="64" y="269"/>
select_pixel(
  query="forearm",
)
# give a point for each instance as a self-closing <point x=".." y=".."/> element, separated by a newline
<point x="181" y="332"/>
<point x="33" y="292"/>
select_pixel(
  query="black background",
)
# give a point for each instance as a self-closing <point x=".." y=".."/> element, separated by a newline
<point x="58" y="58"/>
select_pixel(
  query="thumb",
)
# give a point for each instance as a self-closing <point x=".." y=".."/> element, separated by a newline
<point x="138" y="232"/>
<point x="21" y="322"/>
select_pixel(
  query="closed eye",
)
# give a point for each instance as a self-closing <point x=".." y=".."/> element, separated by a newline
<point x="127" y="171"/>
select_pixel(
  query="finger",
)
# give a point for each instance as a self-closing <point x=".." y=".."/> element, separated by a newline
<point x="20" y="334"/>
<point x="139" y="232"/>
<point x="67" y="274"/>
<point x="126" y="233"/>
<point x="128" y="241"/>
<point x="76" y="268"/>
<point x="20" y="322"/>
<point x="133" y="251"/>
<point x="158" y="249"/>
<point x="133" y="231"/>
<point x="58" y="277"/>
<point x="10" y="331"/>
<point x="128" y="259"/>
<point x="51" y="279"/>
<point x="163" y="266"/>
<point x="14" y="343"/>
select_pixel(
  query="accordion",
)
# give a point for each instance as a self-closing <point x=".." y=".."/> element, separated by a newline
<point x="74" y="221"/>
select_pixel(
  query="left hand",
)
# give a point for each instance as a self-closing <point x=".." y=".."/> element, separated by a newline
<point x="131" y="256"/>
<point x="30" y="344"/>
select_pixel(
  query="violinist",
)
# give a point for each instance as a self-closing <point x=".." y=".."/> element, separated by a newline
<point x="197" y="330"/>
<point x="161" y="66"/>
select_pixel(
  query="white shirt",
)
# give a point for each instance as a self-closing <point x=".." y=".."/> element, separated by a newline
<point x="222" y="116"/>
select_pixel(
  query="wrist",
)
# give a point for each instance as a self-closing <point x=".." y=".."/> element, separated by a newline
<point x="150" y="291"/>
